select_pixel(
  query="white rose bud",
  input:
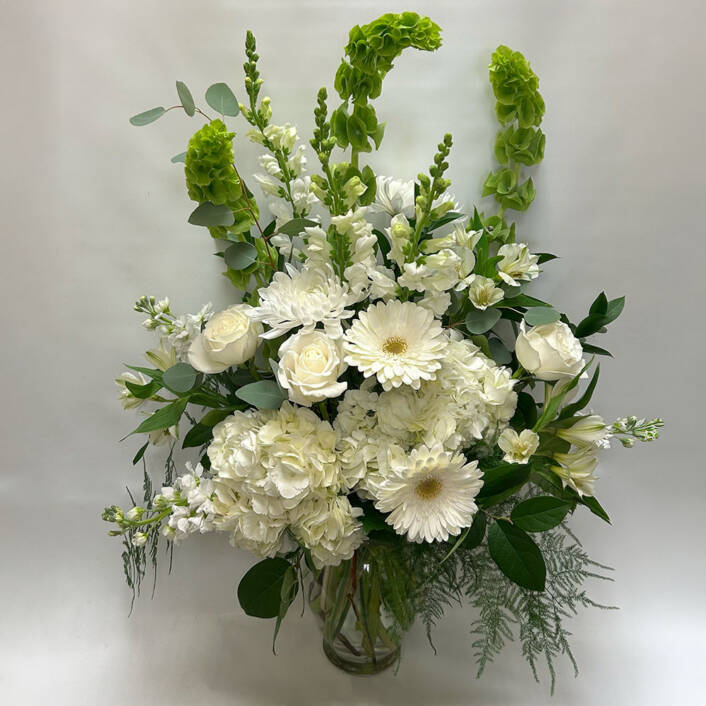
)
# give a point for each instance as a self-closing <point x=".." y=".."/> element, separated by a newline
<point x="230" y="338"/>
<point x="309" y="366"/>
<point x="550" y="351"/>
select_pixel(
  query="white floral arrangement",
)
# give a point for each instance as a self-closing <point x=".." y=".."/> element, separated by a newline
<point x="386" y="414"/>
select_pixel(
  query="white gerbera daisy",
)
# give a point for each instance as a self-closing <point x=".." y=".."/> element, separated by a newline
<point x="430" y="493"/>
<point x="303" y="298"/>
<point x="399" y="342"/>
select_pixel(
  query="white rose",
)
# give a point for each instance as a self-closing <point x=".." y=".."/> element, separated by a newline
<point x="230" y="338"/>
<point x="309" y="366"/>
<point x="550" y="351"/>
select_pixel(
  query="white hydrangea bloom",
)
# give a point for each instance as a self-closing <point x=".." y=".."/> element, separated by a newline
<point x="303" y="298"/>
<point x="329" y="528"/>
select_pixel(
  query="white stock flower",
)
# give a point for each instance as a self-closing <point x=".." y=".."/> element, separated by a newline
<point x="549" y="352"/>
<point x="590" y="429"/>
<point x="576" y="469"/>
<point x="518" y="448"/>
<point x="330" y="529"/>
<point x="309" y="367"/>
<point x="517" y="263"/>
<point x="399" y="342"/>
<point x="482" y="292"/>
<point x="185" y="328"/>
<point x="429" y="493"/>
<point x="229" y="338"/>
<point x="393" y="196"/>
<point x="314" y="295"/>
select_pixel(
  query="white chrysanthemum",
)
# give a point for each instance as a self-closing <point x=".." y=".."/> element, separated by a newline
<point x="399" y="342"/>
<point x="429" y="493"/>
<point x="517" y="263"/>
<point x="329" y="528"/>
<point x="518" y="448"/>
<point x="294" y="298"/>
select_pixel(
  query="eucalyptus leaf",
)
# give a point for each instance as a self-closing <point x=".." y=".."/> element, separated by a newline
<point x="210" y="214"/>
<point x="198" y="435"/>
<point x="264" y="394"/>
<point x="260" y="590"/>
<point x="222" y="99"/>
<point x="149" y="116"/>
<point x="177" y="158"/>
<point x="480" y="321"/>
<point x="539" y="514"/>
<point x="516" y="555"/>
<point x="187" y="100"/>
<point x="180" y="377"/>
<point x="240" y="256"/>
<point x="500" y="354"/>
<point x="540" y="315"/>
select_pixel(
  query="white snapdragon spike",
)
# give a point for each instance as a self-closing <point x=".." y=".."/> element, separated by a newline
<point x="297" y="161"/>
<point x="438" y="304"/>
<point x="309" y="367"/>
<point x="393" y="196"/>
<point x="482" y="292"/>
<point x="437" y="273"/>
<point x="429" y="493"/>
<point x="270" y="165"/>
<point x="359" y="233"/>
<point x="316" y="247"/>
<point x="230" y="338"/>
<point x="306" y="298"/>
<point x="576" y="469"/>
<point x="383" y="284"/>
<point x="399" y="234"/>
<point x="127" y="399"/>
<point x="329" y="528"/>
<point x="550" y="351"/>
<point x="517" y="264"/>
<point x="587" y="430"/>
<point x="398" y="342"/>
<point x="518" y="448"/>
<point x="269" y="185"/>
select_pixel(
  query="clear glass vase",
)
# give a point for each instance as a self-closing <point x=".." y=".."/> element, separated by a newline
<point x="359" y="635"/>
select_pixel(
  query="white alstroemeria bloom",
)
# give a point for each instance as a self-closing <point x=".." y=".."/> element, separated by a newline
<point x="550" y="351"/>
<point x="399" y="234"/>
<point x="293" y="298"/>
<point x="482" y="292"/>
<point x="399" y="342"/>
<point x="587" y="430"/>
<point x="517" y="264"/>
<point x="309" y="367"/>
<point x="393" y="196"/>
<point x="230" y="338"/>
<point x="429" y="493"/>
<point x="162" y="436"/>
<point x="518" y="448"/>
<point x="576" y="469"/>
<point x="127" y="399"/>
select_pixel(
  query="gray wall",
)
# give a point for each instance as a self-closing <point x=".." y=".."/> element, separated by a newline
<point x="95" y="215"/>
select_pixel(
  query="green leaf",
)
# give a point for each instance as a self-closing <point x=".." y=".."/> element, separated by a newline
<point x="210" y="214"/>
<point x="260" y="590"/>
<point x="477" y="531"/>
<point x="181" y="157"/>
<point x="142" y="392"/>
<point x="538" y="316"/>
<point x="543" y="257"/>
<point x="595" y="507"/>
<point x="482" y="343"/>
<point x="221" y="98"/>
<point x="290" y="587"/>
<point x="500" y="482"/>
<point x="516" y="555"/>
<point x="521" y="300"/>
<point x="478" y="321"/>
<point x="590" y="348"/>
<point x="264" y="394"/>
<point x="140" y="453"/>
<point x="187" y="100"/>
<point x="198" y="435"/>
<point x="149" y="372"/>
<point x="149" y="116"/>
<point x="615" y="308"/>
<point x="373" y="519"/>
<point x="590" y="325"/>
<point x="163" y="418"/>
<point x="296" y="226"/>
<point x="554" y="403"/>
<point x="600" y="305"/>
<point x="499" y="353"/>
<point x="526" y="412"/>
<point x="577" y="406"/>
<point x="210" y="419"/>
<point x="240" y="256"/>
<point x="539" y="514"/>
<point x="180" y="377"/>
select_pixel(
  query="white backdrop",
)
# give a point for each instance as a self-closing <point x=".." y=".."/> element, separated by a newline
<point x="94" y="215"/>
